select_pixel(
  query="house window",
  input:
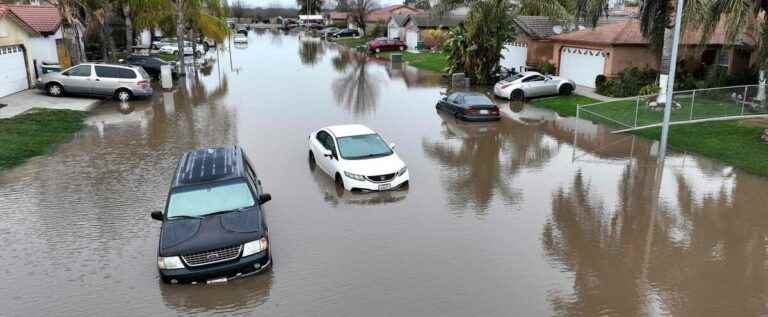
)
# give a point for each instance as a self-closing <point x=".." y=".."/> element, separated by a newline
<point x="723" y="57"/>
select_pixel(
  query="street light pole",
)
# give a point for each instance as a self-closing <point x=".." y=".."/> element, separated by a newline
<point x="671" y="80"/>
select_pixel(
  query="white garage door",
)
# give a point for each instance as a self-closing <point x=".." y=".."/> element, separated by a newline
<point x="515" y="55"/>
<point x="411" y="38"/>
<point x="581" y="65"/>
<point x="13" y="76"/>
<point x="393" y="32"/>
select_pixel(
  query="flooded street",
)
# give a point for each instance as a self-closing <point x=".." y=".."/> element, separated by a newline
<point x="534" y="215"/>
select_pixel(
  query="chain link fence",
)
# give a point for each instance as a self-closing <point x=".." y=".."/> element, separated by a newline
<point x="687" y="106"/>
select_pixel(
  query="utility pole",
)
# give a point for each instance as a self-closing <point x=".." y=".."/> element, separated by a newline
<point x="671" y="81"/>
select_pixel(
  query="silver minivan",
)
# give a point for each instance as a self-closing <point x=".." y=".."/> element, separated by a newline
<point x="121" y="81"/>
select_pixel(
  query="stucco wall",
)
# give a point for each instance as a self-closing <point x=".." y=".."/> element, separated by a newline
<point x="623" y="57"/>
<point x="539" y="52"/>
<point x="15" y="35"/>
<point x="43" y="49"/>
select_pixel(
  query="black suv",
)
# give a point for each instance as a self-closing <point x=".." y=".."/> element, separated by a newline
<point x="150" y="64"/>
<point x="213" y="225"/>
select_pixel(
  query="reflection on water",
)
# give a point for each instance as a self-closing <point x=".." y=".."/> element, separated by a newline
<point x="311" y="50"/>
<point x="357" y="89"/>
<point x="567" y="219"/>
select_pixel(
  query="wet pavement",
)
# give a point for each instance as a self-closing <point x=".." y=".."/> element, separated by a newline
<point x="533" y="215"/>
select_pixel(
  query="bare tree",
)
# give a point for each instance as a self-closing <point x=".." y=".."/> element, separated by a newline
<point x="237" y="9"/>
<point x="360" y="11"/>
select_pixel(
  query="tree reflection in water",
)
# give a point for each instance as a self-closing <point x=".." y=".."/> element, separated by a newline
<point x="311" y="51"/>
<point x="479" y="160"/>
<point x="699" y="257"/>
<point x="357" y="90"/>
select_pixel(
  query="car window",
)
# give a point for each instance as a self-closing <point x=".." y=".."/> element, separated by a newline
<point x="533" y="78"/>
<point x="106" y="72"/>
<point x="477" y="100"/>
<point x="363" y="146"/>
<point x="125" y="73"/>
<point x="325" y="139"/>
<point x="210" y="198"/>
<point x="80" y="71"/>
<point x="453" y="98"/>
<point x="514" y="77"/>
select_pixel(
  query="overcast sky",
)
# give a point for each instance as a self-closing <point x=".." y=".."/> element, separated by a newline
<point x="292" y="3"/>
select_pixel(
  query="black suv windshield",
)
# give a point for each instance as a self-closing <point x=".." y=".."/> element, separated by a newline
<point x="203" y="200"/>
<point x="363" y="146"/>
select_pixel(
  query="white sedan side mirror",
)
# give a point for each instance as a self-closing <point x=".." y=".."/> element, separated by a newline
<point x="392" y="145"/>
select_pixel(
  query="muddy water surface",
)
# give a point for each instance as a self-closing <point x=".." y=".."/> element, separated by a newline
<point x="534" y="215"/>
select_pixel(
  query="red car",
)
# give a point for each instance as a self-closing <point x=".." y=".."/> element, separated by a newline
<point x="384" y="44"/>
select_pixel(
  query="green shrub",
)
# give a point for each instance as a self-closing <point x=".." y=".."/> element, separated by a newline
<point x="627" y="83"/>
<point x="547" y="68"/>
<point x="376" y="31"/>
<point x="650" y="89"/>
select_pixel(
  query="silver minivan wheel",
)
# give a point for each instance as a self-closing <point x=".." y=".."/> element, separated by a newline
<point x="54" y="90"/>
<point x="123" y="95"/>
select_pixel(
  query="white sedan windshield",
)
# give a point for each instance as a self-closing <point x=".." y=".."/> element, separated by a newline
<point x="363" y="146"/>
<point x="203" y="200"/>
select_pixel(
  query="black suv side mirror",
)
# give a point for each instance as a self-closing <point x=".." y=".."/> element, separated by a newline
<point x="157" y="215"/>
<point x="263" y="198"/>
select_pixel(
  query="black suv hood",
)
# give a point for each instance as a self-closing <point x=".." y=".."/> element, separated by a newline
<point x="184" y="236"/>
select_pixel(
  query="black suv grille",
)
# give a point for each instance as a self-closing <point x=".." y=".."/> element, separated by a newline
<point x="381" y="178"/>
<point x="212" y="256"/>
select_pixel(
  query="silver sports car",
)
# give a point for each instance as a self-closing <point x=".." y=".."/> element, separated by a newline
<point x="532" y="84"/>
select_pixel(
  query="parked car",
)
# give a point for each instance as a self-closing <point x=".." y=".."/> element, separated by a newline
<point x="357" y="158"/>
<point x="383" y="44"/>
<point x="150" y="64"/>
<point x="189" y="48"/>
<point x="213" y="227"/>
<point x="532" y="84"/>
<point x="329" y="31"/>
<point x="242" y="30"/>
<point x="124" y="82"/>
<point x="240" y="39"/>
<point x="346" y="33"/>
<point x="469" y="106"/>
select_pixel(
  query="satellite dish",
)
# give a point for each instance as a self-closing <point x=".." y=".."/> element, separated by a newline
<point x="557" y="29"/>
<point x="581" y="27"/>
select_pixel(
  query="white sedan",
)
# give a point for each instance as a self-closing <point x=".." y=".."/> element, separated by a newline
<point x="532" y="84"/>
<point x="357" y="158"/>
<point x="189" y="49"/>
<point x="240" y="39"/>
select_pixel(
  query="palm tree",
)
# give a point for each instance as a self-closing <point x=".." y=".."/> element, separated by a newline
<point x="73" y="13"/>
<point x="204" y="15"/>
<point x="740" y="16"/>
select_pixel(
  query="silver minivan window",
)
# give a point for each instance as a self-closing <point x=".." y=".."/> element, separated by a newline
<point x="80" y="71"/>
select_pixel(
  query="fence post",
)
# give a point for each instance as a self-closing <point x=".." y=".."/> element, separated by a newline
<point x="637" y="107"/>
<point x="744" y="102"/>
<point x="577" y="111"/>
<point x="693" y="100"/>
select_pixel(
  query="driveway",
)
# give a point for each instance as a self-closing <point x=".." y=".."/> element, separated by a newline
<point x="23" y="101"/>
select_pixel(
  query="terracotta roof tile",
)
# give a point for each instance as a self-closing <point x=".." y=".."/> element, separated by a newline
<point x="627" y="32"/>
<point x="44" y="19"/>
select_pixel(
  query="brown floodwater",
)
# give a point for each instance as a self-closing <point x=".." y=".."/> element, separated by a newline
<point x="534" y="215"/>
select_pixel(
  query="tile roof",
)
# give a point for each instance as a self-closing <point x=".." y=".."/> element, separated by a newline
<point x="383" y="14"/>
<point x="44" y="19"/>
<point x="435" y="21"/>
<point x="627" y="32"/>
<point x="336" y="15"/>
<point x="5" y="10"/>
<point x="541" y="27"/>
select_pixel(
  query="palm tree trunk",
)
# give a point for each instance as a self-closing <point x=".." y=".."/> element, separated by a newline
<point x="180" y="36"/>
<point x="128" y="26"/>
<point x="666" y="60"/>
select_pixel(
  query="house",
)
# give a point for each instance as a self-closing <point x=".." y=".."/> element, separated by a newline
<point x="309" y="19"/>
<point x="16" y="56"/>
<point x="382" y="15"/>
<point x="46" y="21"/>
<point x="337" y="17"/>
<point x="611" y="48"/>
<point x="396" y="26"/>
<point x="417" y="26"/>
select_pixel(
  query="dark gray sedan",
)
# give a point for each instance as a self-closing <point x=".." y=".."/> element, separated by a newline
<point x="469" y="106"/>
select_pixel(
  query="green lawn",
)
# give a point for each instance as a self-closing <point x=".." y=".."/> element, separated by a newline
<point x="34" y="133"/>
<point x="436" y="62"/>
<point x="167" y="57"/>
<point x="731" y="142"/>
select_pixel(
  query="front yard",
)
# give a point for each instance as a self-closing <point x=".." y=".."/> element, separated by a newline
<point x="732" y="142"/>
<point x="436" y="62"/>
<point x="35" y="133"/>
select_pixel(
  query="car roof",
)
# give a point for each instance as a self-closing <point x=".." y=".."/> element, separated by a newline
<point x="209" y="165"/>
<point x="530" y="73"/>
<point x="340" y="131"/>
<point x="111" y="65"/>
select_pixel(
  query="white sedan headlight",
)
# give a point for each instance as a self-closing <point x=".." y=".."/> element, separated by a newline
<point x="402" y="171"/>
<point x="355" y="176"/>
<point x="169" y="262"/>
<point x="254" y="247"/>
